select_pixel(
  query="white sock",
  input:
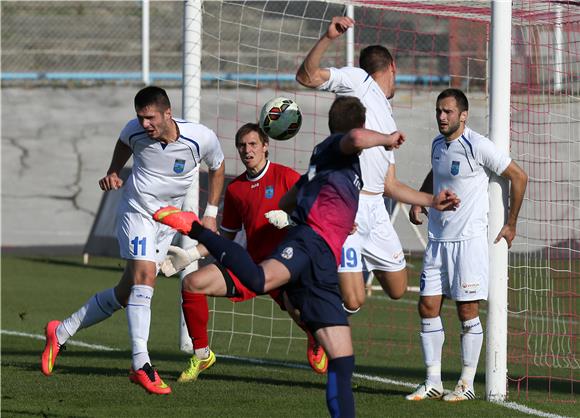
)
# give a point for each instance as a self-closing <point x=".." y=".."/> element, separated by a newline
<point x="202" y="353"/>
<point x="432" y="339"/>
<point x="139" y="319"/>
<point x="471" y="342"/>
<point x="98" y="308"/>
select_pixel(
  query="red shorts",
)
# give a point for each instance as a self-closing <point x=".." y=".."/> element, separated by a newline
<point x="237" y="292"/>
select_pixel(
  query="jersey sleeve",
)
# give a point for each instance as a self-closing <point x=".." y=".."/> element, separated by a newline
<point x="341" y="81"/>
<point x="231" y="220"/>
<point x="128" y="132"/>
<point x="491" y="157"/>
<point x="211" y="151"/>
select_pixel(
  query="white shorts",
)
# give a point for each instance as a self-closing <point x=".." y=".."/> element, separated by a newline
<point x="141" y="238"/>
<point x="375" y="244"/>
<point x="456" y="269"/>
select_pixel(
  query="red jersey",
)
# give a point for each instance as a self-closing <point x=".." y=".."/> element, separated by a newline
<point x="248" y="199"/>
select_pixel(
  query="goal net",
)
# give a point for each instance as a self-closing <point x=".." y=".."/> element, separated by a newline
<point x="251" y="51"/>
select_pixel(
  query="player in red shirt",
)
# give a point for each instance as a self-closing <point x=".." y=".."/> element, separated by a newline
<point x="248" y="198"/>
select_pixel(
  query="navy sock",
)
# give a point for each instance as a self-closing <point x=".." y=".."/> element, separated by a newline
<point x="339" y="397"/>
<point x="232" y="256"/>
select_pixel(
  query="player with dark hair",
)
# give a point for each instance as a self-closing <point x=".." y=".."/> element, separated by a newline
<point x="166" y="152"/>
<point x="375" y="245"/>
<point x="456" y="261"/>
<point x="323" y="204"/>
<point x="247" y="200"/>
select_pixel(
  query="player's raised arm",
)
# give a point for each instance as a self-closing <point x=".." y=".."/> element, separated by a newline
<point x="446" y="200"/>
<point x="121" y="155"/>
<point x="358" y="139"/>
<point x="310" y="74"/>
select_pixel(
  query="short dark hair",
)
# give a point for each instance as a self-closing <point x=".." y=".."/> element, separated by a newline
<point x="346" y="113"/>
<point x="458" y="95"/>
<point x="375" y="58"/>
<point x="152" y="95"/>
<point x="252" y="127"/>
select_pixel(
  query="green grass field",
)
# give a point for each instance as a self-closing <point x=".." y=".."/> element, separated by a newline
<point x="91" y="382"/>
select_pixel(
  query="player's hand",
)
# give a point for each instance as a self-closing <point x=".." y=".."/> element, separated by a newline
<point x="209" y="222"/>
<point x="395" y="140"/>
<point x="415" y="214"/>
<point x="338" y="26"/>
<point x="508" y="232"/>
<point x="279" y="218"/>
<point x="110" y="182"/>
<point x="446" y="200"/>
<point x="177" y="259"/>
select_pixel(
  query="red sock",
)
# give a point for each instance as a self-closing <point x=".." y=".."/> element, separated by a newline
<point x="196" y="313"/>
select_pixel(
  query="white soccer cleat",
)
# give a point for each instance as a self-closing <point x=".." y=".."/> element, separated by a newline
<point x="426" y="391"/>
<point x="462" y="392"/>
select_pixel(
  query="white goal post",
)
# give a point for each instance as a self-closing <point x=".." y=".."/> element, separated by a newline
<point x="499" y="133"/>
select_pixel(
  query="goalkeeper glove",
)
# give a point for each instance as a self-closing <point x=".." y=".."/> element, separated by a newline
<point x="279" y="219"/>
<point x="177" y="259"/>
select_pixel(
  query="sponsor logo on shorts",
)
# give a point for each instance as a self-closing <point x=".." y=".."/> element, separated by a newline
<point x="422" y="281"/>
<point x="455" y="168"/>
<point x="269" y="194"/>
<point x="179" y="166"/>
<point x="287" y="253"/>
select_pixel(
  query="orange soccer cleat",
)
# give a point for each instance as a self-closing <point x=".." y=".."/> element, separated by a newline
<point x="148" y="378"/>
<point x="316" y="355"/>
<point x="51" y="349"/>
<point x="176" y="219"/>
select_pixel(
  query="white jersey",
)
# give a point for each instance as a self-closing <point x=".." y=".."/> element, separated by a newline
<point x="354" y="81"/>
<point x="463" y="166"/>
<point x="162" y="173"/>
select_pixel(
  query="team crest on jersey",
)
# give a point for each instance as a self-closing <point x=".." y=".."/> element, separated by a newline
<point x="179" y="166"/>
<point x="287" y="253"/>
<point x="269" y="194"/>
<point x="455" y="168"/>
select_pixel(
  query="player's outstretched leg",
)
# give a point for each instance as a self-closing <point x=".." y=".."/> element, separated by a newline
<point x="51" y="349"/>
<point x="316" y="355"/>
<point x="195" y="367"/>
<point x="149" y="379"/>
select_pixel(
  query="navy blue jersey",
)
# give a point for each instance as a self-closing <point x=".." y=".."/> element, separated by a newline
<point x="328" y="193"/>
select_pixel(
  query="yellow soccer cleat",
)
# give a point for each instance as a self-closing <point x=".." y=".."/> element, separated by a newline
<point x="196" y="366"/>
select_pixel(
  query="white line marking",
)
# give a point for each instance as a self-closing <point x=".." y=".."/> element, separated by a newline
<point x="510" y="405"/>
<point x="70" y="342"/>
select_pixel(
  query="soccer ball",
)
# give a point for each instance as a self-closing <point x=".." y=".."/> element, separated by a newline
<point x="280" y="118"/>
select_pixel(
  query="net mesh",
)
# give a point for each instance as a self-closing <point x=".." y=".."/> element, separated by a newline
<point x="251" y="50"/>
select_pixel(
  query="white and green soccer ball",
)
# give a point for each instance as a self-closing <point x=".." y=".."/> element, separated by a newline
<point x="280" y="118"/>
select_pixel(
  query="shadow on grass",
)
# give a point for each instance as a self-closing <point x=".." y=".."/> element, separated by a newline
<point x="77" y="264"/>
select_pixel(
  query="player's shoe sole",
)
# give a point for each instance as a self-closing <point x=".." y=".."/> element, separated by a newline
<point x="462" y="392"/>
<point x="196" y="366"/>
<point x="176" y="219"/>
<point x="51" y="349"/>
<point x="316" y="355"/>
<point x="148" y="378"/>
<point x="426" y="391"/>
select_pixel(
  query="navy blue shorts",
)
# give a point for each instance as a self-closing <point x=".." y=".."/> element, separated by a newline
<point x="313" y="286"/>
